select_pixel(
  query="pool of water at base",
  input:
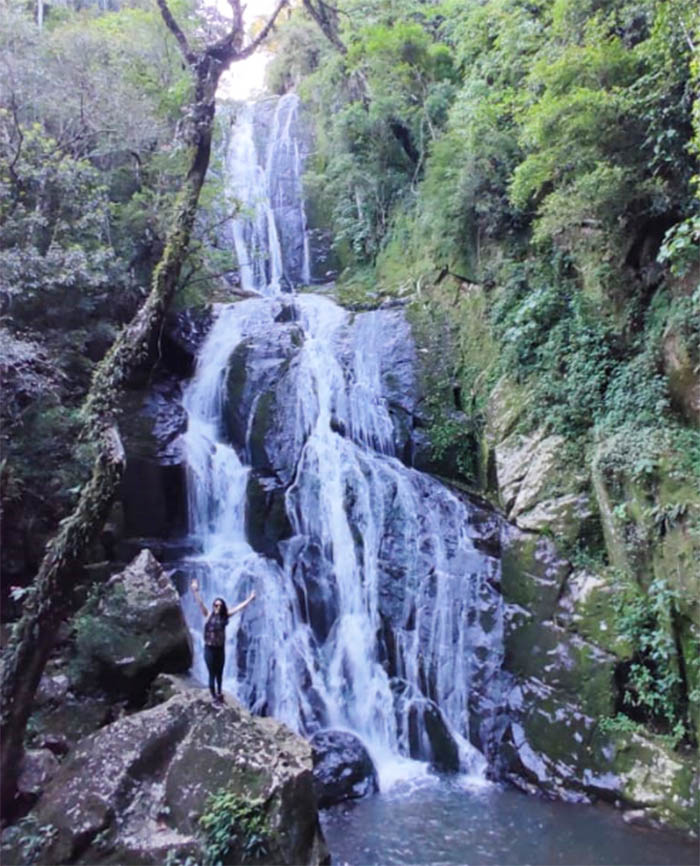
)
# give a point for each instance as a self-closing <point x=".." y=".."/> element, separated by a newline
<point x="455" y="823"/>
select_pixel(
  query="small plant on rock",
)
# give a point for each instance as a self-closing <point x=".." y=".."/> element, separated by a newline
<point x="231" y="823"/>
<point x="653" y="688"/>
<point x="27" y="840"/>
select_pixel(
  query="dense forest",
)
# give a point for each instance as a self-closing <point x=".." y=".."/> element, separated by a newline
<point x="521" y="176"/>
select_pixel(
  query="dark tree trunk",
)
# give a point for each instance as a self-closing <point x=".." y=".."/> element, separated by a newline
<point x="52" y="597"/>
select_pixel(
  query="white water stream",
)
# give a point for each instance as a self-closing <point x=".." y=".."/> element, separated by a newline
<point x="367" y="535"/>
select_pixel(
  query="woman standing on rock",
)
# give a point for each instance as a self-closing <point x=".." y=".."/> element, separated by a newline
<point x="215" y="637"/>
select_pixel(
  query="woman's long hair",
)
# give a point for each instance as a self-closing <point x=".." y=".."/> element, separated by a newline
<point x="224" y="610"/>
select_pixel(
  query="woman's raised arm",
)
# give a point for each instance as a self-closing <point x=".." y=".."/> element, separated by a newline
<point x="198" y="597"/>
<point x="239" y="607"/>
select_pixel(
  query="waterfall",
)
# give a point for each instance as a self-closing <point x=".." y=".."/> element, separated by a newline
<point x="270" y="237"/>
<point x="375" y="609"/>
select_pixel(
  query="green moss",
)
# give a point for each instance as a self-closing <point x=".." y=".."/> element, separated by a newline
<point x="262" y="422"/>
<point x="577" y="670"/>
<point x="517" y="561"/>
<point x="596" y="620"/>
<point x="556" y="731"/>
<point x="236" y="378"/>
<point x="531" y="576"/>
<point x="653" y="775"/>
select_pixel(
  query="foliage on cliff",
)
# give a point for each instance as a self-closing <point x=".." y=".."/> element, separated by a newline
<point x="526" y="174"/>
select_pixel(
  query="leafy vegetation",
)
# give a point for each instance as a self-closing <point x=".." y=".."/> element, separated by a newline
<point x="652" y="681"/>
<point x="232" y="823"/>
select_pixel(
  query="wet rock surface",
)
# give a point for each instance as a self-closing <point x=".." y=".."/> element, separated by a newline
<point x="37" y="769"/>
<point x="134" y="792"/>
<point x="343" y="769"/>
<point x="183" y="335"/>
<point x="423" y="727"/>
<point x="153" y="490"/>
<point x="259" y="389"/>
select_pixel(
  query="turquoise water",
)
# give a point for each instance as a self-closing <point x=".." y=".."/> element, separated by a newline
<point x="444" y="822"/>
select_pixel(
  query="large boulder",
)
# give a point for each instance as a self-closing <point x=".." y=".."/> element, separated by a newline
<point x="343" y="768"/>
<point x="135" y="791"/>
<point x="552" y="745"/>
<point x="133" y="630"/>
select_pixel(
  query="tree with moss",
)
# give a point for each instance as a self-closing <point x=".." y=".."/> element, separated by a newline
<point x="207" y="54"/>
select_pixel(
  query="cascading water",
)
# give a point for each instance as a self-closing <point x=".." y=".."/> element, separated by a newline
<point x="272" y="225"/>
<point x="375" y="612"/>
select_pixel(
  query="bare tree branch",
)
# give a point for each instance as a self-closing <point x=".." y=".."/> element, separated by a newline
<point x="249" y="49"/>
<point x="325" y="16"/>
<point x="175" y="29"/>
<point x="237" y="9"/>
<point x="234" y="39"/>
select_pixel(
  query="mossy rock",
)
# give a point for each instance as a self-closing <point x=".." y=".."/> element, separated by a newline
<point x="680" y="362"/>
<point x="264" y="422"/>
<point x="657" y="536"/>
<point x="578" y="670"/>
<point x="654" y="776"/>
<point x="560" y="750"/>
<point x="605" y="501"/>
<point x="131" y="632"/>
<point x="567" y="519"/>
<point x="505" y="406"/>
<point x="557" y="732"/>
<point x="150" y="776"/>
<point x="676" y="553"/>
<point x="593" y="612"/>
<point x="236" y="379"/>
<point x="532" y="573"/>
<point x="266" y="517"/>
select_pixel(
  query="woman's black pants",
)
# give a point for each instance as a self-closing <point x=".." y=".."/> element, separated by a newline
<point x="214" y="657"/>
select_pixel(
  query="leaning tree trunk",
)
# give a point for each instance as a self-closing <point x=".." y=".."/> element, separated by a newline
<point x="52" y="597"/>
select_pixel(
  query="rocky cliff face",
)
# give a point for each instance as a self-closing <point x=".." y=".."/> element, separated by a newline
<point x="433" y="553"/>
<point x="567" y="645"/>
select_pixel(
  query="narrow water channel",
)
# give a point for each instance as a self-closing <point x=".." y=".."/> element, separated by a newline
<point x="437" y="821"/>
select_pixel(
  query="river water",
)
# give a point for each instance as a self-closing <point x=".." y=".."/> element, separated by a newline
<point x="436" y="820"/>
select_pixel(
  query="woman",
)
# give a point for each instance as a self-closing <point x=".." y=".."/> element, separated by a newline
<point x="215" y="637"/>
